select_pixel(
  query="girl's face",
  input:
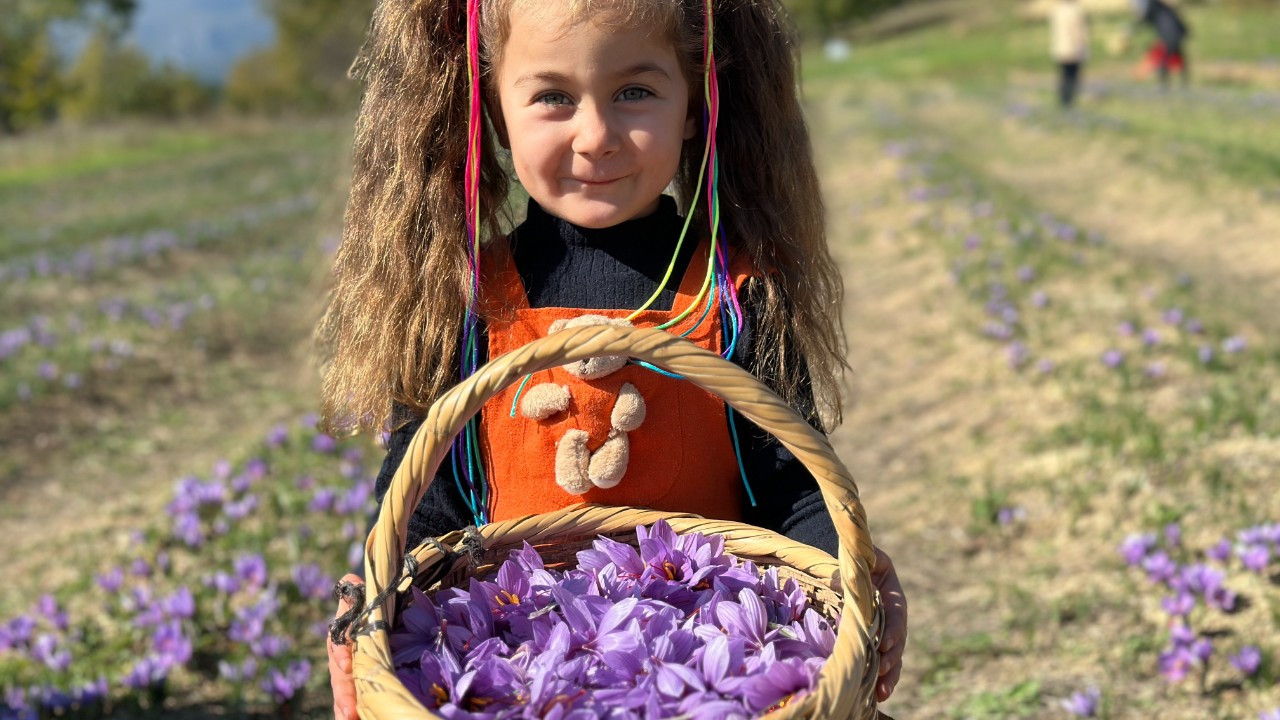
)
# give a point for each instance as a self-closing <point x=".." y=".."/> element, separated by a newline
<point x="595" y="117"/>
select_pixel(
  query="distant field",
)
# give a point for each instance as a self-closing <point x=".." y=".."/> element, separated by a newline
<point x="1062" y="330"/>
<point x="1062" y="333"/>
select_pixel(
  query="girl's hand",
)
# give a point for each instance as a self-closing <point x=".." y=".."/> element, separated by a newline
<point x="340" y="679"/>
<point x="893" y="639"/>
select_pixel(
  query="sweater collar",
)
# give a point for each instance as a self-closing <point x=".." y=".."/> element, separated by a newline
<point x="662" y="226"/>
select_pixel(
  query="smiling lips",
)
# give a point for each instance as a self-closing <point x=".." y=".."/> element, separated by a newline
<point x="585" y="181"/>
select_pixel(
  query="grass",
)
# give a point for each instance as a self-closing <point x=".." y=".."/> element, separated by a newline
<point x="1006" y="620"/>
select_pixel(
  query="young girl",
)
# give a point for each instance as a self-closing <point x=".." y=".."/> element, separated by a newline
<point x="603" y="105"/>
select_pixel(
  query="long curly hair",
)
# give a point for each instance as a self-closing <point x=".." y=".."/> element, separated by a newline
<point x="391" y="333"/>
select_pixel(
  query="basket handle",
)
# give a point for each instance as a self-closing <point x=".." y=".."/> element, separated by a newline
<point x="385" y="549"/>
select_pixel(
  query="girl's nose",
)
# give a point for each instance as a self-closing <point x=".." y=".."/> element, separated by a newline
<point x="595" y="135"/>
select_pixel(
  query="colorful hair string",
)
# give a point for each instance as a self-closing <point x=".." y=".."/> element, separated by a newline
<point x="466" y="445"/>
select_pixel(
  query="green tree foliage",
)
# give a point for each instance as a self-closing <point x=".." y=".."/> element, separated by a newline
<point x="819" y="19"/>
<point x="29" y="80"/>
<point x="306" y="70"/>
<point x="110" y="80"/>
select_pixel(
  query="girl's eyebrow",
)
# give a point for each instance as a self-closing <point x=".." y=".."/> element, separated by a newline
<point x="555" y="78"/>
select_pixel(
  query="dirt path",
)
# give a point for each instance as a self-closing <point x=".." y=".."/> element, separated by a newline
<point x="1201" y="222"/>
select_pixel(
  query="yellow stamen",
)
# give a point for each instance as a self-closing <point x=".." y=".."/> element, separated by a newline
<point x="440" y="694"/>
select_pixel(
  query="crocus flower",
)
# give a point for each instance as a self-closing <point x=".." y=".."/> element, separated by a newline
<point x="1018" y="354"/>
<point x="1039" y="299"/>
<point x="1205" y="353"/>
<point x="1220" y="551"/>
<point x="1113" y="358"/>
<point x="277" y="436"/>
<point x="1174" y="664"/>
<point x="1178" y="605"/>
<point x="324" y="444"/>
<point x="1083" y="704"/>
<point x="1159" y="567"/>
<point x="1234" y="344"/>
<point x="252" y="569"/>
<point x="1255" y="557"/>
<point x="1247" y="660"/>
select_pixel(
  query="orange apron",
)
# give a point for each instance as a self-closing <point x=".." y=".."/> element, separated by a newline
<point x="681" y="456"/>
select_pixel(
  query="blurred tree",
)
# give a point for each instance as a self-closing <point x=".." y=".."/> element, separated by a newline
<point x="109" y="80"/>
<point x="819" y="19"/>
<point x="29" y="83"/>
<point x="306" y="69"/>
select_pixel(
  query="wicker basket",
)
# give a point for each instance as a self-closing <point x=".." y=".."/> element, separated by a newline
<point x="846" y="687"/>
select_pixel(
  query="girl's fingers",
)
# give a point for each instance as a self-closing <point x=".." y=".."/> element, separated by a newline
<point x="341" y="682"/>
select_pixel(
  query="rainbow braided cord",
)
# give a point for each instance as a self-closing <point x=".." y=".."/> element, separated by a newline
<point x="465" y="459"/>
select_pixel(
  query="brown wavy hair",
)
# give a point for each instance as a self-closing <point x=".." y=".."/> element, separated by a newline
<point x="391" y="333"/>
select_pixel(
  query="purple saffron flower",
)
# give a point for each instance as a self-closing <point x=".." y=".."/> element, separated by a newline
<point x="282" y="686"/>
<point x="1083" y="704"/>
<point x="1026" y="274"/>
<point x="171" y="644"/>
<point x="1135" y="547"/>
<point x="47" y="606"/>
<point x="1221" y="551"/>
<point x="252" y="569"/>
<point x="1255" y="557"/>
<point x="1194" y="326"/>
<point x="1045" y="366"/>
<point x="1179" y="605"/>
<point x="324" y="444"/>
<point x="1248" y="660"/>
<point x="277" y="436"/>
<point x="312" y="582"/>
<point x="224" y="583"/>
<point x="1269" y="714"/>
<point x="1202" y="649"/>
<point x="1150" y="337"/>
<point x="1173" y="534"/>
<point x="1113" y="358"/>
<point x="269" y="646"/>
<point x="1205" y="354"/>
<point x="1174" y="664"/>
<point x="1018" y="354"/>
<point x="1222" y="598"/>
<point x="180" y="605"/>
<point x="1039" y="299"/>
<point x="1233" y="345"/>
<point x="45" y="650"/>
<point x="1126" y="329"/>
<point x="323" y="500"/>
<point x="111" y="581"/>
<point x="1159" y="567"/>
<point x="222" y="469"/>
<point x="1173" y="316"/>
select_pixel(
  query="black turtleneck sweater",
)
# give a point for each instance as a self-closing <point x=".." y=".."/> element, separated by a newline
<point x="563" y="265"/>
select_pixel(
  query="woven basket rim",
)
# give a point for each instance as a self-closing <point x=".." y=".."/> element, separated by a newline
<point x="846" y="686"/>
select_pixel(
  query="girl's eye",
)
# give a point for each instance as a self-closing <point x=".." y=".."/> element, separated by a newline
<point x="554" y="99"/>
<point x="634" y="93"/>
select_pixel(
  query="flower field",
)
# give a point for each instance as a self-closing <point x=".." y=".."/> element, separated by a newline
<point x="1062" y="414"/>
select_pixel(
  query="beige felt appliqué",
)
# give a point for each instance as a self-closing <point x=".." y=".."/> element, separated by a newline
<point x="609" y="462"/>
<point x="572" y="458"/>
<point x="592" y="368"/>
<point x="544" y="400"/>
<point x="577" y="468"/>
<point x="628" y="411"/>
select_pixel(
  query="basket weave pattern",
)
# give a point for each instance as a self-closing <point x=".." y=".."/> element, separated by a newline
<point x="845" y="688"/>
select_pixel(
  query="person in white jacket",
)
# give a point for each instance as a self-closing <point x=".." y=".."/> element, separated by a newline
<point x="1069" y="45"/>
